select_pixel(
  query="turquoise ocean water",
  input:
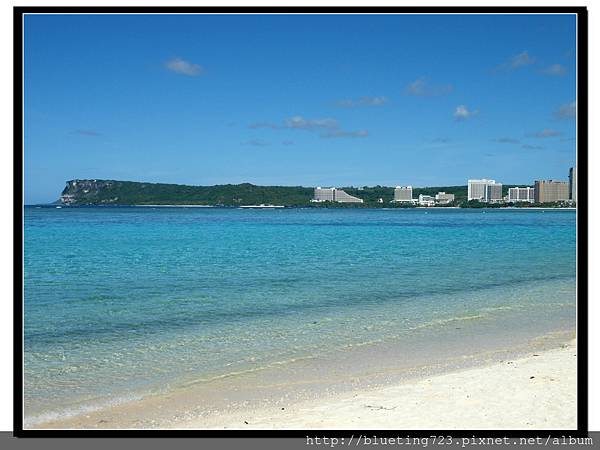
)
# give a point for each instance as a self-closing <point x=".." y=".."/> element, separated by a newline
<point x="124" y="301"/>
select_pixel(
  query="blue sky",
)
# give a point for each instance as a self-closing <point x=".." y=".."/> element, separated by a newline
<point x="298" y="100"/>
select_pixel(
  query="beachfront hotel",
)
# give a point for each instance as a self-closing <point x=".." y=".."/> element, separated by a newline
<point x="573" y="184"/>
<point x="443" y="199"/>
<point x="403" y="194"/>
<point x="484" y="190"/>
<point x="334" y="195"/>
<point x="493" y="193"/>
<point x="521" y="194"/>
<point x="426" y="200"/>
<point x="324" y="194"/>
<point x="550" y="191"/>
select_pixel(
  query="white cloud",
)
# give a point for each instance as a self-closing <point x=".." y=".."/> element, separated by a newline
<point x="300" y="122"/>
<point x="342" y="133"/>
<point x="417" y="87"/>
<point x="363" y="101"/>
<point x="566" y="111"/>
<point x="506" y="140"/>
<point x="556" y="70"/>
<point x="184" y="67"/>
<point x="463" y="113"/>
<point x="548" y="132"/>
<point x="328" y="127"/>
<point x="421" y="88"/>
<point x="520" y="60"/>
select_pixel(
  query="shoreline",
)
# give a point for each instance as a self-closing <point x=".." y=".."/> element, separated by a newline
<point x="533" y="392"/>
<point x="260" y="399"/>
<point x="436" y="208"/>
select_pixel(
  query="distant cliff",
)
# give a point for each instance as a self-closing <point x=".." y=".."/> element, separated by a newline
<point x="84" y="192"/>
<point x="113" y="192"/>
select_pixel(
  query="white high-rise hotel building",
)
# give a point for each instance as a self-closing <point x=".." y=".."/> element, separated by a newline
<point x="403" y="194"/>
<point x="334" y="195"/>
<point x="573" y="184"/>
<point x="521" y="194"/>
<point x="484" y="190"/>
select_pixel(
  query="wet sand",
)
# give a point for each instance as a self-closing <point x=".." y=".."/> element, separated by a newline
<point x="535" y="392"/>
<point x="532" y="386"/>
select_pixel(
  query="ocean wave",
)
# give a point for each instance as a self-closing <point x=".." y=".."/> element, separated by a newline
<point x="244" y="371"/>
<point x="34" y="420"/>
<point x="441" y="322"/>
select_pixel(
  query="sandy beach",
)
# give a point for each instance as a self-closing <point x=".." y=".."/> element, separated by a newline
<point x="535" y="389"/>
<point x="533" y="392"/>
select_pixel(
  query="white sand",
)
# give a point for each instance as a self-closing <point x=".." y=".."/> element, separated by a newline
<point x="536" y="392"/>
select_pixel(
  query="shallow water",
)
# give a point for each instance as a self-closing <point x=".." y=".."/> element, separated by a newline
<point x="122" y="302"/>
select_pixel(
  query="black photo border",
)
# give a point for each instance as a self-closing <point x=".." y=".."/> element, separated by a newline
<point x="582" y="219"/>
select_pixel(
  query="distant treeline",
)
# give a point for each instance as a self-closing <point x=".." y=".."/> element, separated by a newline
<point x="105" y="192"/>
<point x="97" y="192"/>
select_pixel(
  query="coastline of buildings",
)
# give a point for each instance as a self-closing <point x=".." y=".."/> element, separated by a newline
<point x="480" y="193"/>
<point x="403" y="194"/>
<point x="477" y="193"/>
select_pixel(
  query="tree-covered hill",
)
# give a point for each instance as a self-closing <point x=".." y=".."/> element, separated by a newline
<point x="112" y="192"/>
